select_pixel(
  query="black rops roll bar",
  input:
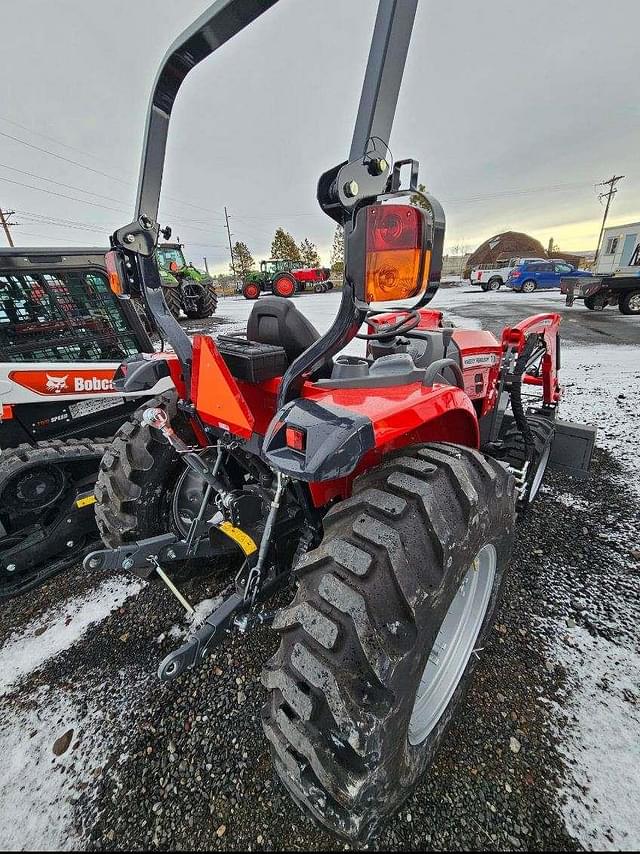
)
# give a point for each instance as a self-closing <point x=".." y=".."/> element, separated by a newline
<point x="219" y="23"/>
<point x="363" y="176"/>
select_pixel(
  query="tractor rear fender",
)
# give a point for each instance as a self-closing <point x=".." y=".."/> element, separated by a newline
<point x="328" y="437"/>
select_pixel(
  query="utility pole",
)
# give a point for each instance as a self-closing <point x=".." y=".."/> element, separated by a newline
<point x="611" y="184"/>
<point x="233" y="266"/>
<point x="4" y="217"/>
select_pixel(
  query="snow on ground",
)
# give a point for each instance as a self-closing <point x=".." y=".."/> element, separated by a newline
<point x="599" y="729"/>
<point x="602" y="387"/>
<point x="53" y="738"/>
<point x="57" y="630"/>
<point x="38" y="788"/>
<point x="193" y="621"/>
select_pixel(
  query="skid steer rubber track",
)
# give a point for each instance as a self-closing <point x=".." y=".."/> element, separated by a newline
<point x="358" y="636"/>
<point x="77" y="460"/>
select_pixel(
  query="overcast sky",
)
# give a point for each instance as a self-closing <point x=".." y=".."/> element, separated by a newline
<point x="515" y="111"/>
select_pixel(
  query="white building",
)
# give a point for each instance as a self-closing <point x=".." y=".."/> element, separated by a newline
<point x="619" y="250"/>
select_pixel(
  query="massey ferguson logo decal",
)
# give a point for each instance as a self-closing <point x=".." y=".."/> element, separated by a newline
<point x="480" y="360"/>
<point x="76" y="383"/>
<point x="56" y="384"/>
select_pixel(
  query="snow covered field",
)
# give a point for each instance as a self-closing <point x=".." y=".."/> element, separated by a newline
<point x="70" y="679"/>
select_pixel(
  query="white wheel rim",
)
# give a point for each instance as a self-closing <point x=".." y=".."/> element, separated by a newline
<point x="454" y="645"/>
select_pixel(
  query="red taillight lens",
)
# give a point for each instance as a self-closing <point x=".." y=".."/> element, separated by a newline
<point x="396" y="264"/>
<point x="115" y="282"/>
<point x="296" y="438"/>
<point x="393" y="227"/>
<point x="514" y="274"/>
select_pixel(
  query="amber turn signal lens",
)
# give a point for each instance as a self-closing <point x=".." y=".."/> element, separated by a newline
<point x="396" y="263"/>
<point x="115" y="282"/>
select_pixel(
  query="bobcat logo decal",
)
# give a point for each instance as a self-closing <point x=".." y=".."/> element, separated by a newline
<point x="56" y="384"/>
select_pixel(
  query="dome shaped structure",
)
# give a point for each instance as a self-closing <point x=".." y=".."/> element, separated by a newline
<point x="509" y="244"/>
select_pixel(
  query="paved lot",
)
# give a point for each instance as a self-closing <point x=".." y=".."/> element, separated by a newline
<point x="544" y="754"/>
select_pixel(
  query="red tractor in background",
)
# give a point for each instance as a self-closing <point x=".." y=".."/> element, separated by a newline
<point x="384" y="488"/>
<point x="284" y="278"/>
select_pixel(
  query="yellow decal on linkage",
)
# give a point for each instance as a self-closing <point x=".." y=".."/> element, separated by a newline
<point x="86" y="501"/>
<point x="243" y="540"/>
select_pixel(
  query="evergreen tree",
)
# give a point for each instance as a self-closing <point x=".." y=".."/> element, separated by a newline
<point x="418" y="201"/>
<point x="242" y="259"/>
<point x="284" y="246"/>
<point x="337" y="251"/>
<point x="309" y="253"/>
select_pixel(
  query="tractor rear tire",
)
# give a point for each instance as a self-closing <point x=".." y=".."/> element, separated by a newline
<point x="284" y="285"/>
<point x="514" y="453"/>
<point x="172" y="299"/>
<point x="136" y="486"/>
<point x="129" y="504"/>
<point x="207" y="303"/>
<point x="250" y="290"/>
<point x="349" y="735"/>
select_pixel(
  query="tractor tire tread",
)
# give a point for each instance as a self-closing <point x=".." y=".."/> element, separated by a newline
<point x="361" y="593"/>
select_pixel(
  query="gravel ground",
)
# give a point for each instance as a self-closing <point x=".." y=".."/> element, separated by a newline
<point x="102" y="756"/>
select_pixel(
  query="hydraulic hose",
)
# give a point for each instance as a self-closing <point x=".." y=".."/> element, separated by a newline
<point x="517" y="407"/>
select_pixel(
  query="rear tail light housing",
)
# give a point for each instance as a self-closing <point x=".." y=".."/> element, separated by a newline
<point x="391" y="254"/>
<point x="514" y="274"/>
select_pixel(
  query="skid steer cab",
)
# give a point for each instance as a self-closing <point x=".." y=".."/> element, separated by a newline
<point x="383" y="487"/>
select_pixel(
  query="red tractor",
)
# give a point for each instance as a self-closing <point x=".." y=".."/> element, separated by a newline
<point x="284" y="278"/>
<point x="383" y="489"/>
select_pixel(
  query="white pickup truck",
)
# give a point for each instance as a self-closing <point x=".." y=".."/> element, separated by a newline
<point x="492" y="276"/>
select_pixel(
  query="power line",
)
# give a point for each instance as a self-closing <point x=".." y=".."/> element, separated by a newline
<point x="611" y="184"/>
<point x="50" y="138"/>
<point x="95" y="171"/>
<point x="61" y="195"/>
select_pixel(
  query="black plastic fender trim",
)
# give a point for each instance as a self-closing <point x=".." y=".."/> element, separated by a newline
<point x="335" y="441"/>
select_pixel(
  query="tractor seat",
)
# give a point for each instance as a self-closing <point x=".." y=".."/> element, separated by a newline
<point x="275" y="320"/>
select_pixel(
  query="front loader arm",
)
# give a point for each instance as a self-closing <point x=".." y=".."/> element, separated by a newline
<point x="547" y="328"/>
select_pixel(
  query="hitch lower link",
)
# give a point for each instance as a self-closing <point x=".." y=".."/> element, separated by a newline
<point x="143" y="558"/>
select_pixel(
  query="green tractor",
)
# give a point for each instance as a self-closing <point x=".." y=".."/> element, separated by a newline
<point x="284" y="278"/>
<point x="185" y="287"/>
